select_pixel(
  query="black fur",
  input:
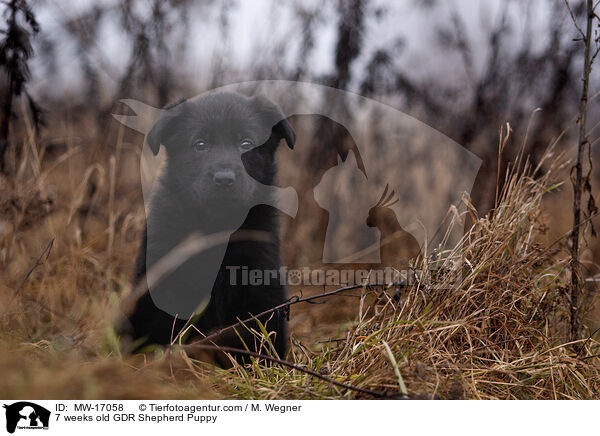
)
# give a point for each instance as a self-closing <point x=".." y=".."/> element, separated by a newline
<point x="187" y="194"/>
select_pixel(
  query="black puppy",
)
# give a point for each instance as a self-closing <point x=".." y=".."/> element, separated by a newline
<point x="220" y="165"/>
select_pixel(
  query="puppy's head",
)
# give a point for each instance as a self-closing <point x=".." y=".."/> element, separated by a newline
<point x="219" y="146"/>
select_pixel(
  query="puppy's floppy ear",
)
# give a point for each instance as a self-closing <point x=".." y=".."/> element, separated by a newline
<point x="164" y="127"/>
<point x="281" y="127"/>
<point x="154" y="137"/>
<point x="285" y="131"/>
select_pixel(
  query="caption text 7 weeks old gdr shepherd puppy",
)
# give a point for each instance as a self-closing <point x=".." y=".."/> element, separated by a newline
<point x="220" y="164"/>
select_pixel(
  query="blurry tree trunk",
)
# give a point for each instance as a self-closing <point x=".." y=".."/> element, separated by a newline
<point x="578" y="180"/>
<point x="6" y="113"/>
<point x="332" y="139"/>
<point x="15" y="52"/>
<point x="8" y="98"/>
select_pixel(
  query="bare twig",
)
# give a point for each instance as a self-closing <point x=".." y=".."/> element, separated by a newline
<point x="376" y="394"/>
<point x="293" y="300"/>
<point x="37" y="263"/>
<point x="578" y="179"/>
<point x="574" y="19"/>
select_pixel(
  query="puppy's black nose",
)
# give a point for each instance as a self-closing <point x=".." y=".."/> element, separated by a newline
<point x="224" y="178"/>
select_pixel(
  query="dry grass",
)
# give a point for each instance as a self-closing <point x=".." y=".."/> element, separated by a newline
<point x="489" y="327"/>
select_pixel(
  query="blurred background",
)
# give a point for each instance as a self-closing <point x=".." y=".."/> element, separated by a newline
<point x="463" y="67"/>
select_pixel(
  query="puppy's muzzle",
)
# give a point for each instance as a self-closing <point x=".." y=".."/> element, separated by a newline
<point x="224" y="178"/>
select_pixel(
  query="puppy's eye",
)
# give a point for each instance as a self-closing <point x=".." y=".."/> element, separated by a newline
<point x="199" y="145"/>
<point x="247" y="143"/>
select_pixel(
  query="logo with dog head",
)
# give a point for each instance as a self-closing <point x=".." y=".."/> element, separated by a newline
<point x="26" y="415"/>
